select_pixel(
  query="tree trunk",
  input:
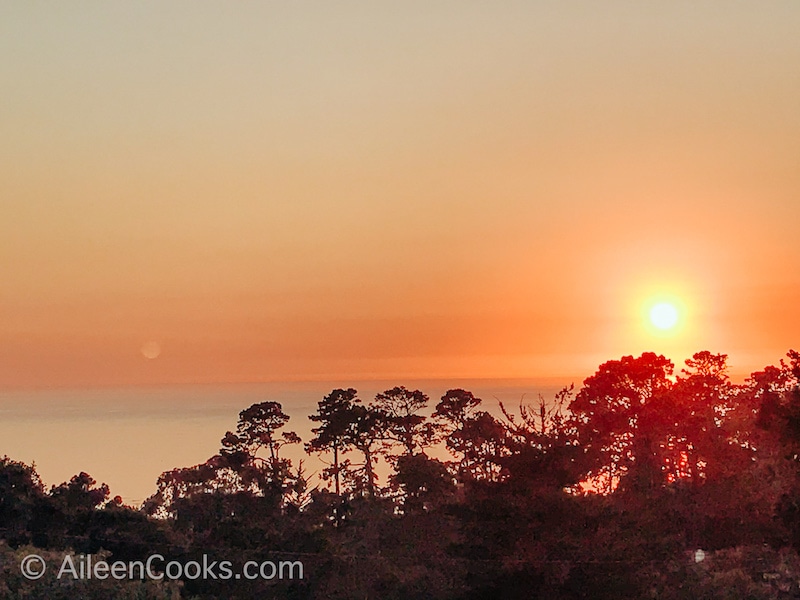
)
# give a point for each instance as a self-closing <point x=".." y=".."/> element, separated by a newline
<point x="370" y="474"/>
<point x="336" y="468"/>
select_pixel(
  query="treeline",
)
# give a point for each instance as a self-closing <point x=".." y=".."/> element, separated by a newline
<point x="643" y="483"/>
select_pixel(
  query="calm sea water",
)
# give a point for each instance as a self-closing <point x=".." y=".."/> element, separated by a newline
<point x="126" y="437"/>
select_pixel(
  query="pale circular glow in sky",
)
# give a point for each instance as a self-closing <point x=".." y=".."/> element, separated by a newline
<point x="664" y="315"/>
<point x="151" y="350"/>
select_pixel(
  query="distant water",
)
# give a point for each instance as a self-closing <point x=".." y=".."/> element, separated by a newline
<point x="126" y="437"/>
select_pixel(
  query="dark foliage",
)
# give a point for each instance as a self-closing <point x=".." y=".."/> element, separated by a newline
<point x="646" y="483"/>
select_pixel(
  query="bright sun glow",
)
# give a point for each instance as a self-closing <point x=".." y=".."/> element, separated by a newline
<point x="664" y="316"/>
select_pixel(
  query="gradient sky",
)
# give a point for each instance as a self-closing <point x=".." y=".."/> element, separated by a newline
<point x="271" y="191"/>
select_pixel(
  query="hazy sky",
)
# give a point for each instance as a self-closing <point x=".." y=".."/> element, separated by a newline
<point x="266" y="191"/>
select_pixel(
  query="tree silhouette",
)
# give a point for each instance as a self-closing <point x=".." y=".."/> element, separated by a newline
<point x="695" y="413"/>
<point x="21" y="493"/>
<point x="540" y="447"/>
<point x="612" y="420"/>
<point x="335" y="433"/>
<point x="424" y="482"/>
<point x="364" y="435"/>
<point x="238" y="469"/>
<point x="397" y="412"/>
<point x="80" y="493"/>
<point x="644" y="483"/>
<point x="455" y="413"/>
<point x="258" y="430"/>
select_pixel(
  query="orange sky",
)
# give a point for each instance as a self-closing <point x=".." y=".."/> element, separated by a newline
<point x="305" y="191"/>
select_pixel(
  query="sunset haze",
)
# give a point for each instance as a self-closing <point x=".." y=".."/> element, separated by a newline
<point x="202" y="192"/>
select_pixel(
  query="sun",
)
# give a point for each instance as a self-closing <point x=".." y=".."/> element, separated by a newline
<point x="664" y="316"/>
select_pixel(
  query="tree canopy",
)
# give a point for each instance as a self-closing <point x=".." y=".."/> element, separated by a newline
<point x="646" y="481"/>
